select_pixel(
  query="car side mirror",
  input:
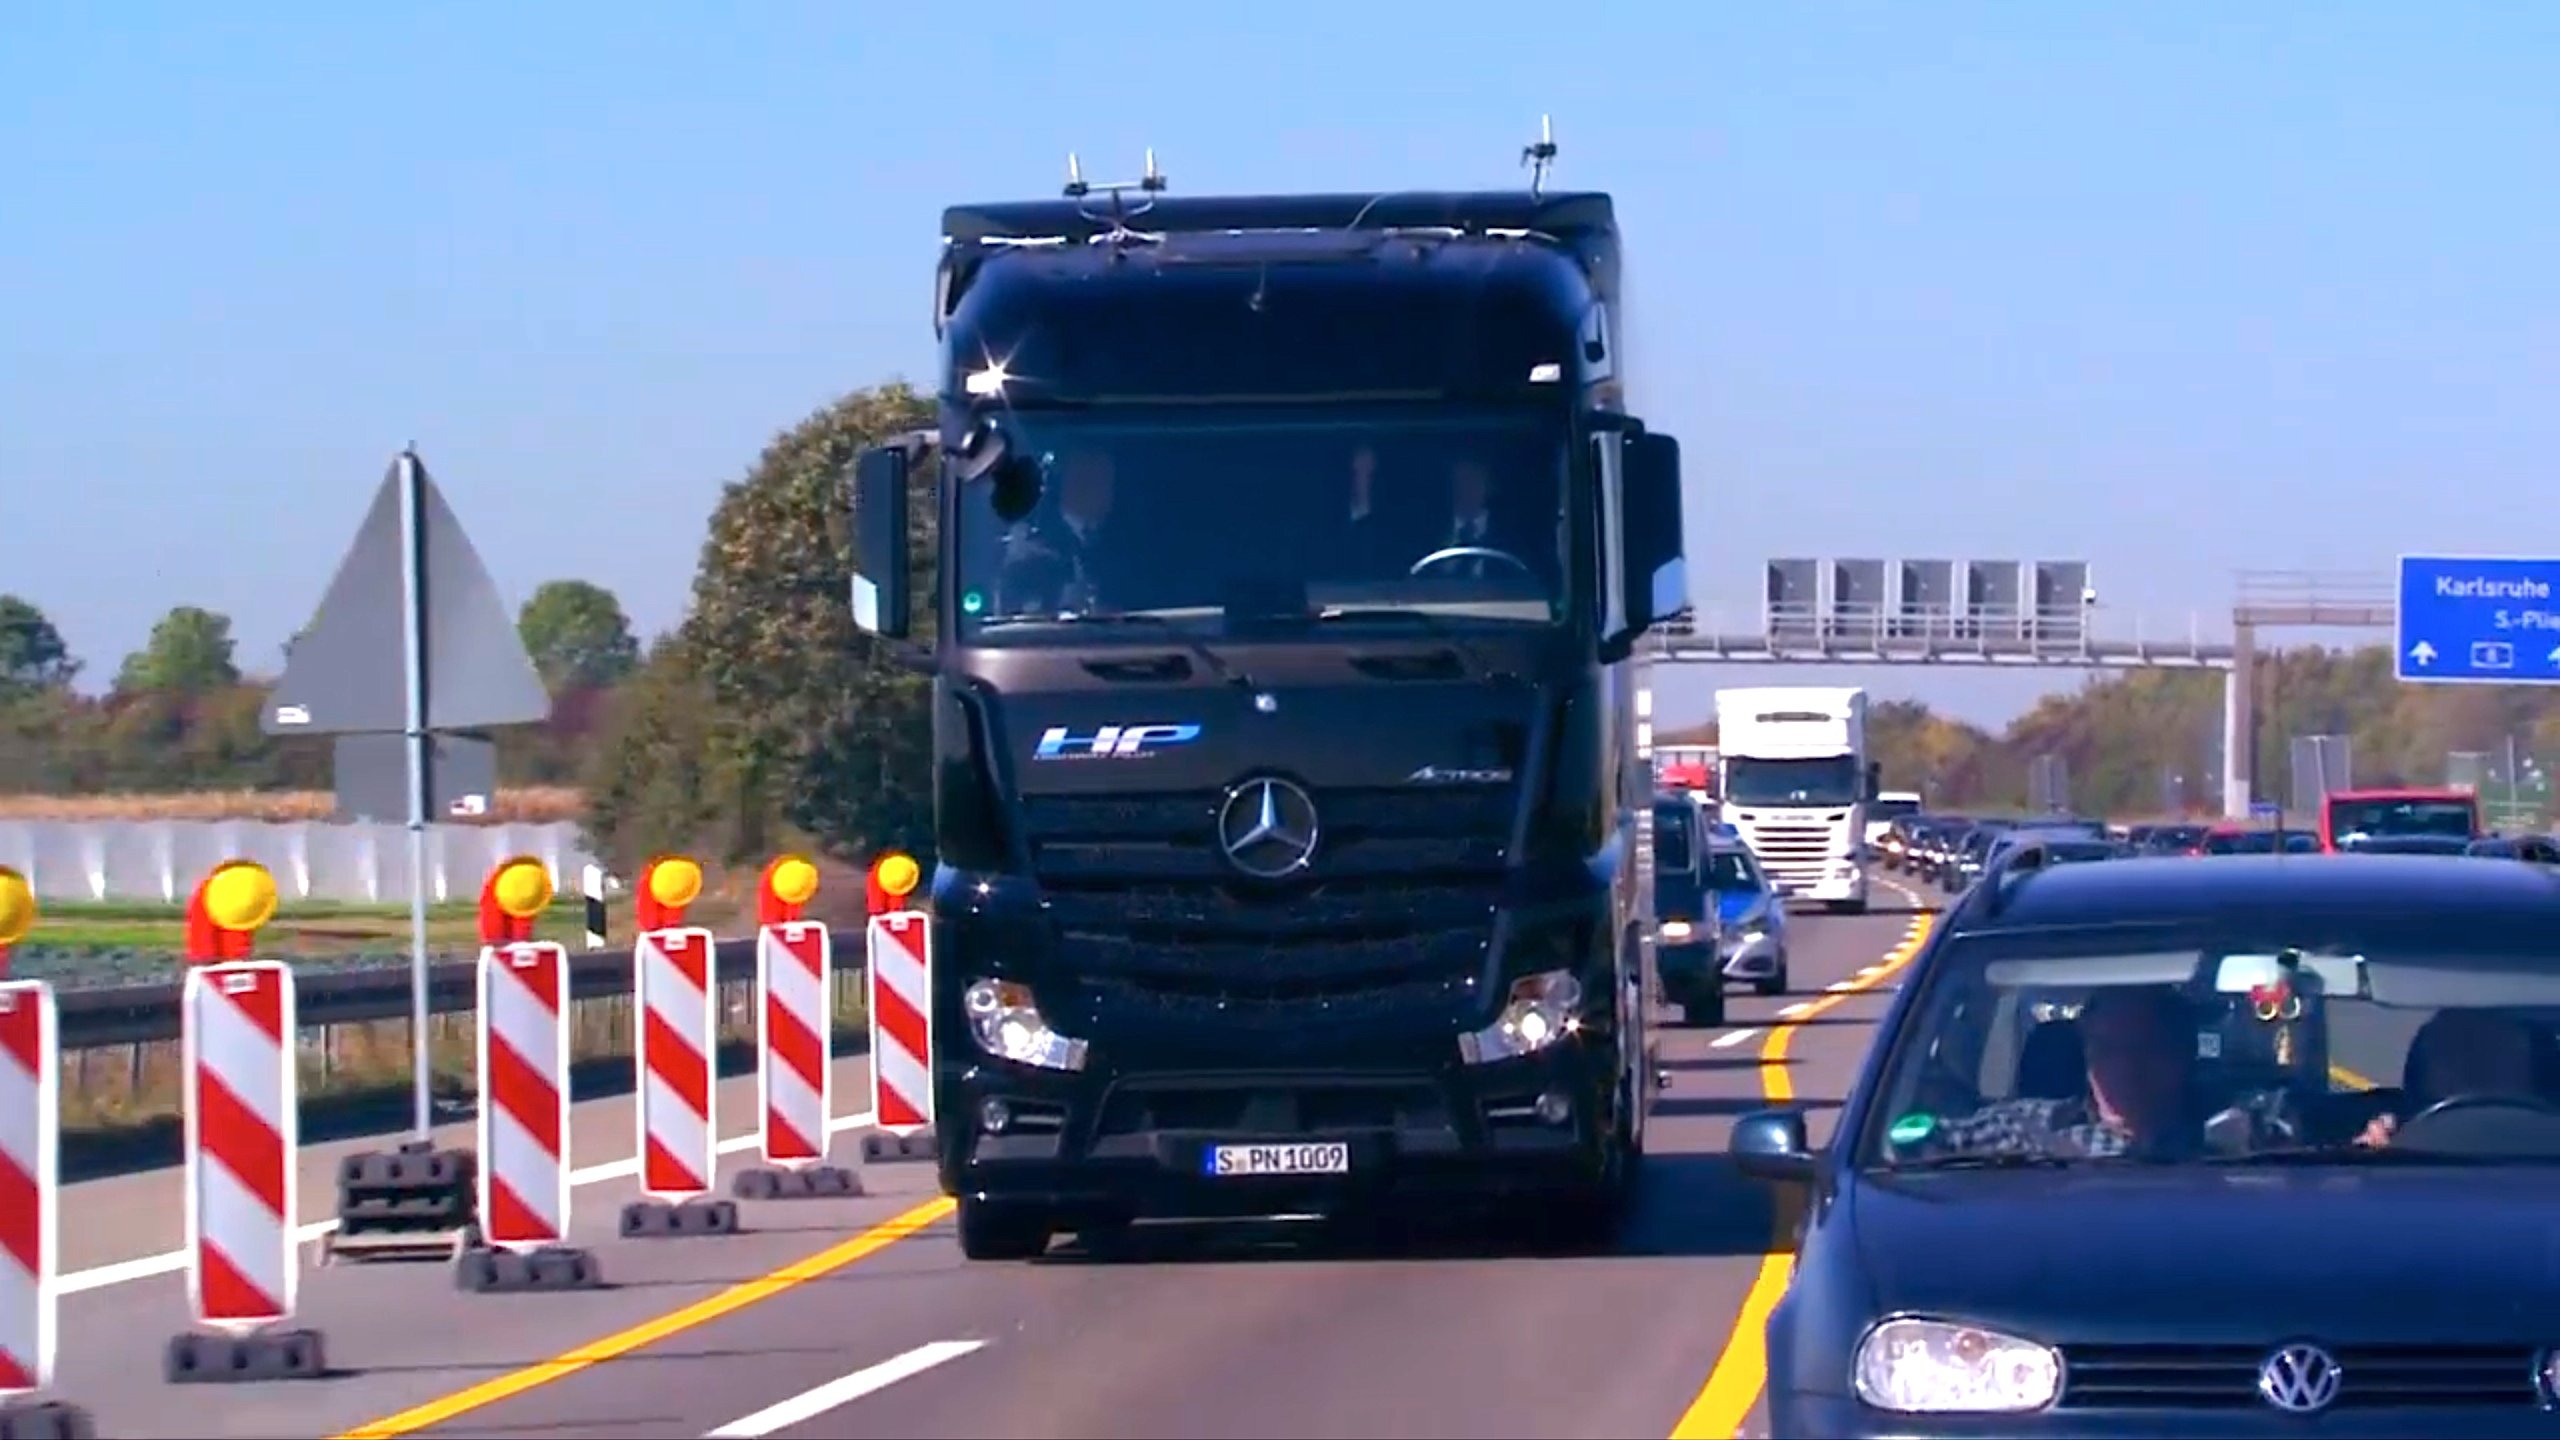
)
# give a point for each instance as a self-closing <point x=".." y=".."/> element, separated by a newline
<point x="881" y="600"/>
<point x="1655" y="579"/>
<point x="1771" y="1145"/>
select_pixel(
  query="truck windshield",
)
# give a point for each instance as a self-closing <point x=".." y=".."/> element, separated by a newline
<point x="1190" y="517"/>
<point x="1819" y="780"/>
<point x="2349" y="818"/>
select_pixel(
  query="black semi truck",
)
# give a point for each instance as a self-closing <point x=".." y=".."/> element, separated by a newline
<point x="1294" y="556"/>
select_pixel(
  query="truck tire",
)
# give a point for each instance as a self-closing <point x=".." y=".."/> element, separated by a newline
<point x="1703" y="1006"/>
<point x="1849" y="907"/>
<point x="1775" y="982"/>
<point x="994" y="1231"/>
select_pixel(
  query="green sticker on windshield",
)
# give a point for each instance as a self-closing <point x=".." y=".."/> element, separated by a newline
<point x="1911" y="1129"/>
<point x="973" y="602"/>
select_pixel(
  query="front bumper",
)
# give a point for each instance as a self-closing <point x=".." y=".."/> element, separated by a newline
<point x="1827" y="887"/>
<point x="1135" y="1144"/>
<point x="1798" y="1416"/>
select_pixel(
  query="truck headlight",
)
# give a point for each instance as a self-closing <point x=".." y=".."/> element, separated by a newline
<point x="1676" y="929"/>
<point x="1936" y="1367"/>
<point x="1542" y="1008"/>
<point x="1010" y="1027"/>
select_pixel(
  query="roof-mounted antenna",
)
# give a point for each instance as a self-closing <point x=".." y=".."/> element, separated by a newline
<point x="1541" y="156"/>
<point x="1147" y="186"/>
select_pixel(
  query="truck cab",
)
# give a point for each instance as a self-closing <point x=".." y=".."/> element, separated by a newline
<point x="1795" y="782"/>
<point x="2348" y="818"/>
<point x="1293" y="553"/>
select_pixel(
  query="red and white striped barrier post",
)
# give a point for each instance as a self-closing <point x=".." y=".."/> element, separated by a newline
<point x="675" y="993"/>
<point x="30" y="1194"/>
<point x="523" y="1046"/>
<point x="243" y="1099"/>
<point x="795" y="1034"/>
<point x="899" y="949"/>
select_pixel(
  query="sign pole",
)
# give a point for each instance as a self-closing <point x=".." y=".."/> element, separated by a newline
<point x="413" y="619"/>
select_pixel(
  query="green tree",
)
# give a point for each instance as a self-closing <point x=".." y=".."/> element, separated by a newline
<point x="32" y="654"/>
<point x="805" y="725"/>
<point x="578" y="636"/>
<point x="189" y="653"/>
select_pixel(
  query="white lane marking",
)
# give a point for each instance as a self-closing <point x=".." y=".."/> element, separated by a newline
<point x="1841" y="987"/>
<point x="1727" y="1042"/>
<point x="1873" y="971"/>
<point x="844" y="1390"/>
<point x="145" y="1267"/>
<point x="1796" y="1009"/>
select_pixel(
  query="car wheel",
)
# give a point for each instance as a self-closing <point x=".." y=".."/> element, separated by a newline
<point x="1773" y="983"/>
<point x="991" y="1230"/>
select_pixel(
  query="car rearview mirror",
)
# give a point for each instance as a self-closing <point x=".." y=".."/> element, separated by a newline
<point x="881" y="599"/>
<point x="1771" y="1145"/>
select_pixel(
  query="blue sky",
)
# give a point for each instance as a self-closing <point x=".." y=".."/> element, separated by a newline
<point x="2178" y="288"/>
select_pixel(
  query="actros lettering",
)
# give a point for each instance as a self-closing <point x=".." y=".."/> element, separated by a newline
<point x="1112" y="742"/>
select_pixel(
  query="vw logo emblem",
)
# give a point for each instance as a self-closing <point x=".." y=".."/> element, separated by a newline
<point x="2300" y="1379"/>
<point x="1268" y="828"/>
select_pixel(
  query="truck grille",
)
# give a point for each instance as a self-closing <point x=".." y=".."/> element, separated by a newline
<point x="2225" y="1377"/>
<point x="1401" y="893"/>
<point x="1793" y="852"/>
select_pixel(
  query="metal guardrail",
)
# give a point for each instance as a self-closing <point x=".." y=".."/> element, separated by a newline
<point x="102" y="1017"/>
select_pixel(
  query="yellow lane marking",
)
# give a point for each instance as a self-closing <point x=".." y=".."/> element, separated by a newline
<point x="649" y="1332"/>
<point x="1734" y="1386"/>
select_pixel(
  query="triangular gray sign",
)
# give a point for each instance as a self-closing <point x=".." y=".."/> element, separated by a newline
<point x="346" y="672"/>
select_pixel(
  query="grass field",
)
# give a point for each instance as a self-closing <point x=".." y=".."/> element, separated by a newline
<point x="532" y="805"/>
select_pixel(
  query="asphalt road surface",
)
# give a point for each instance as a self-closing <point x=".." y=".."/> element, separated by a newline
<point x="857" y="1317"/>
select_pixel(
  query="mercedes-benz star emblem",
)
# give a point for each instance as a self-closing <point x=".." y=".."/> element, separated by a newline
<point x="2300" y="1379"/>
<point x="1268" y="828"/>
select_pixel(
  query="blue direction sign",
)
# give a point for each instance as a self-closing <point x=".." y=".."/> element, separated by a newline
<point x="2468" y="620"/>
<point x="2264" y="810"/>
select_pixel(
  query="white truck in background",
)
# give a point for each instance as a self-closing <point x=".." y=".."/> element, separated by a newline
<point x="1887" y="807"/>
<point x="1793" y="778"/>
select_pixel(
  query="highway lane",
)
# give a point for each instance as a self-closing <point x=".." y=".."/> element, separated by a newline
<point x="401" y="1334"/>
<point x="1230" y="1331"/>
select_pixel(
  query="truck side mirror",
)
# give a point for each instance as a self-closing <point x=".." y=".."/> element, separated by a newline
<point x="880" y="580"/>
<point x="1657" y="577"/>
<point x="1875" y="779"/>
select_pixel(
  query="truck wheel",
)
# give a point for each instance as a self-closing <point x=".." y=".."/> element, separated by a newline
<point x="994" y="1231"/>
<point x="1848" y="907"/>
<point x="1775" y="982"/>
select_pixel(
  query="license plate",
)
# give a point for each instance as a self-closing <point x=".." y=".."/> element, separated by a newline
<point x="1330" y="1158"/>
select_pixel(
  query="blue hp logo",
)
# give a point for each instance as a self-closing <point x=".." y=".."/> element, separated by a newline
<point x="1112" y="742"/>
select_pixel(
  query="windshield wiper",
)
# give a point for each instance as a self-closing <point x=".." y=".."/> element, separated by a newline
<point x="1217" y="664"/>
<point x="2309" y="1155"/>
<point x="1423" y="620"/>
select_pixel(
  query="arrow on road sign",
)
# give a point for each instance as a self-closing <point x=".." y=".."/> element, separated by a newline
<point x="346" y="674"/>
<point x="2425" y="654"/>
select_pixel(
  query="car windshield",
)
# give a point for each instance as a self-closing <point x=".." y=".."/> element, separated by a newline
<point x="1675" y="825"/>
<point x="2260" y="842"/>
<point x="1732" y="870"/>
<point x="2359" y="1040"/>
<point x="2351" y="818"/>
<point x="1191" y="518"/>
<point x="1821" y="780"/>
